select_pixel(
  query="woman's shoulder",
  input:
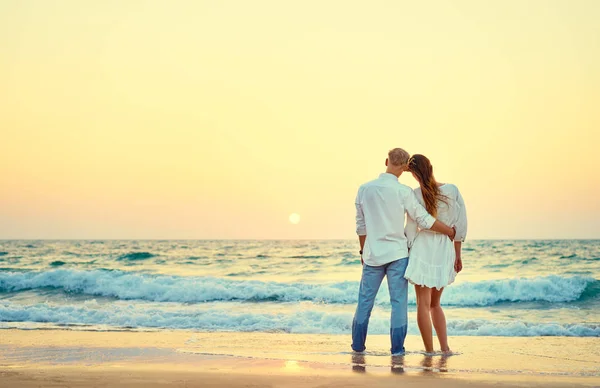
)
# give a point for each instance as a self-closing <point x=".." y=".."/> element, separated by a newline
<point x="449" y="188"/>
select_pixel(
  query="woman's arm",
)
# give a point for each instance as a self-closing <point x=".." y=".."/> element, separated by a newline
<point x="461" y="230"/>
<point x="461" y="222"/>
<point x="458" y="260"/>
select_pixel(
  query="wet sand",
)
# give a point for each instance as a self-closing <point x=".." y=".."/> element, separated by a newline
<point x="59" y="358"/>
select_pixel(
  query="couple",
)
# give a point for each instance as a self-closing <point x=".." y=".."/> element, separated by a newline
<point x="434" y="260"/>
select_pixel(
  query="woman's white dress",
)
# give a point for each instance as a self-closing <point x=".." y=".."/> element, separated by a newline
<point x="431" y="254"/>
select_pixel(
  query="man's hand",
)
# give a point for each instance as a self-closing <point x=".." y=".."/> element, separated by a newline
<point x="453" y="233"/>
<point x="361" y="241"/>
<point x="442" y="228"/>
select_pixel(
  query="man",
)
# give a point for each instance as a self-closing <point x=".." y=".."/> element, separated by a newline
<point x="380" y="208"/>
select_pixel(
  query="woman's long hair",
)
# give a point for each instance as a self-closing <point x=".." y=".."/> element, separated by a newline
<point x="421" y="167"/>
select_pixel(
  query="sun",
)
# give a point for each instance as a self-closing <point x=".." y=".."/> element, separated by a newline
<point x="294" y="218"/>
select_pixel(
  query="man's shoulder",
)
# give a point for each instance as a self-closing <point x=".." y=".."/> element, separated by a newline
<point x="404" y="189"/>
<point x="361" y="190"/>
<point x="372" y="182"/>
<point x="379" y="182"/>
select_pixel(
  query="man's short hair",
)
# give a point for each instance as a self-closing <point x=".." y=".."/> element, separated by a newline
<point x="398" y="157"/>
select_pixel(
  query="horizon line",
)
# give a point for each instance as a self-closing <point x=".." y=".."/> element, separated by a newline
<point x="273" y="239"/>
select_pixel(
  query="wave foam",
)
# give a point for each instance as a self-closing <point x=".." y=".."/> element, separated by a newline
<point x="138" y="316"/>
<point x="162" y="288"/>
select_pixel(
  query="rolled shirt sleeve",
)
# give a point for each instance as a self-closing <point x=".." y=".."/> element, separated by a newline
<point x="361" y="228"/>
<point x="461" y="222"/>
<point x="410" y="231"/>
<point x="417" y="212"/>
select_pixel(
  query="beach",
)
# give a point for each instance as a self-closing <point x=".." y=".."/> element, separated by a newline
<point x="279" y="313"/>
<point x="53" y="358"/>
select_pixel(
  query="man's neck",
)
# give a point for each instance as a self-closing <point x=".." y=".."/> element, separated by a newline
<point x="394" y="172"/>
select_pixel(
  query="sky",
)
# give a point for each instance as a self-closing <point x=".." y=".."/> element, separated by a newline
<point x="218" y="119"/>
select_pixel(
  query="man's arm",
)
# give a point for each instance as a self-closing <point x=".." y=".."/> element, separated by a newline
<point x="361" y="241"/>
<point x="410" y="231"/>
<point x="442" y="228"/>
<point x="425" y="220"/>
<point x="361" y="228"/>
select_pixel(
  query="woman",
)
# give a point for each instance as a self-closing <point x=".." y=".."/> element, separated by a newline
<point x="434" y="260"/>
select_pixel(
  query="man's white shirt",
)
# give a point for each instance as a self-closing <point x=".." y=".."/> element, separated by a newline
<point x="380" y="213"/>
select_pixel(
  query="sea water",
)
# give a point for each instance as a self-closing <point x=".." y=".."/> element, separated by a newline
<point x="507" y="288"/>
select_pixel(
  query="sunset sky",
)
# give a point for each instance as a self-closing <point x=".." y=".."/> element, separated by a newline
<point x="219" y="119"/>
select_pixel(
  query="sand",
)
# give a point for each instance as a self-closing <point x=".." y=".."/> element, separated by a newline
<point x="67" y="358"/>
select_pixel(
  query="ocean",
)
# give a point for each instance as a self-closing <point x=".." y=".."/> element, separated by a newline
<point x="507" y="288"/>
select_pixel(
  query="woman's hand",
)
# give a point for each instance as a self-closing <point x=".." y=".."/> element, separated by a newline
<point x="458" y="264"/>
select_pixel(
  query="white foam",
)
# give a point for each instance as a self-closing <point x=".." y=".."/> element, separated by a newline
<point x="162" y="288"/>
<point x="221" y="318"/>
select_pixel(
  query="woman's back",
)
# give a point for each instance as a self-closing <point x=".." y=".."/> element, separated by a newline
<point x="432" y="255"/>
<point x="451" y="211"/>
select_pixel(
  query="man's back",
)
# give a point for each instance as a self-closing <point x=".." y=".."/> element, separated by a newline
<point x="380" y="213"/>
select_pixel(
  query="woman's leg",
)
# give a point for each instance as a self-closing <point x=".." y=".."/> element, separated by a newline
<point x="423" y="319"/>
<point x="439" y="319"/>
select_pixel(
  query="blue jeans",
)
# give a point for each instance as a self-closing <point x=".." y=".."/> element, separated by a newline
<point x="369" y="286"/>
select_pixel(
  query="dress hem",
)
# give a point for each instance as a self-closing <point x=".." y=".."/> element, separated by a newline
<point x="428" y="284"/>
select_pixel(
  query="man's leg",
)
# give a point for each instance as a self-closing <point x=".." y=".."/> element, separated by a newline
<point x="369" y="285"/>
<point x="398" y="287"/>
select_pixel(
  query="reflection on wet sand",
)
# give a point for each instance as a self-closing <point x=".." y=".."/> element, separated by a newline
<point x="440" y="366"/>
<point x="429" y="364"/>
<point x="397" y="367"/>
<point x="359" y="364"/>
